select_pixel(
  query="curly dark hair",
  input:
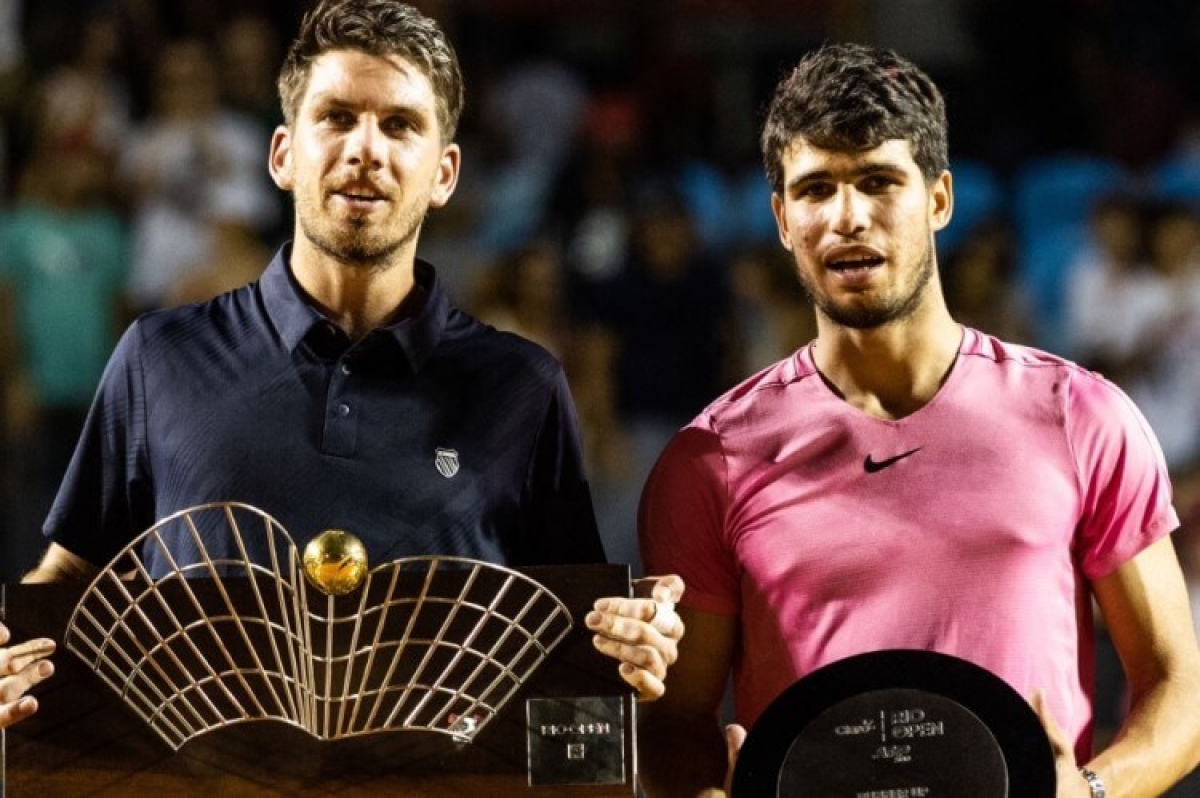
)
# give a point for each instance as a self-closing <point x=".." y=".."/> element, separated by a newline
<point x="853" y="97"/>
<point x="377" y="27"/>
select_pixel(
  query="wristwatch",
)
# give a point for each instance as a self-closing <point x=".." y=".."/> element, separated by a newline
<point x="1094" y="782"/>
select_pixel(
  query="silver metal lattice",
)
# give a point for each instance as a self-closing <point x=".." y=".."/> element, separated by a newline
<point x="206" y="620"/>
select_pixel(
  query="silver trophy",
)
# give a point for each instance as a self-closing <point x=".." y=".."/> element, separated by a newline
<point x="213" y="617"/>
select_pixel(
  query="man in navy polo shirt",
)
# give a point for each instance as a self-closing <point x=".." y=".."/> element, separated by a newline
<point x="343" y="389"/>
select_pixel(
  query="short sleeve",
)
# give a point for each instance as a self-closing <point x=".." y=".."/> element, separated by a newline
<point x="104" y="502"/>
<point x="559" y="522"/>
<point x="1123" y="476"/>
<point x="682" y="521"/>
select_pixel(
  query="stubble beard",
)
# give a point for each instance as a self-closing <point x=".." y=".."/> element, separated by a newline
<point x="870" y="316"/>
<point x="358" y="245"/>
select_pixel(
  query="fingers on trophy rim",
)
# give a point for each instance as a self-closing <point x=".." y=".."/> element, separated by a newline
<point x="665" y="620"/>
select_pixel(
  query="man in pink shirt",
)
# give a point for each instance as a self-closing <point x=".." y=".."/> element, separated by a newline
<point x="905" y="482"/>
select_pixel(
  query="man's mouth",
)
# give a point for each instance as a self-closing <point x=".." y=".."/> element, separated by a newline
<point x="360" y="199"/>
<point x="854" y="263"/>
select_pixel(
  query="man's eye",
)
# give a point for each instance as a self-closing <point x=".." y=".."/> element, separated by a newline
<point x="339" y="118"/>
<point x="878" y="183"/>
<point x="397" y="125"/>
<point x="815" y="191"/>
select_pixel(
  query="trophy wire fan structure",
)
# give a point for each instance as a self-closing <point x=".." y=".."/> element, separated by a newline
<point x="208" y="619"/>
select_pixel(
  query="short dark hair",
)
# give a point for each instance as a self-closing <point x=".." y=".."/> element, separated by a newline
<point x="377" y="27"/>
<point x="855" y="97"/>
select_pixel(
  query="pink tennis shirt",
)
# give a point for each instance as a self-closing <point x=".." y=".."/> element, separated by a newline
<point x="970" y="527"/>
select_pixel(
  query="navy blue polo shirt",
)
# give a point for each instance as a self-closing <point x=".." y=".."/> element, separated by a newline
<point x="436" y="435"/>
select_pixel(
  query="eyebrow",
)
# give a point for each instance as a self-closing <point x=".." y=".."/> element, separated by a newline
<point x="330" y="99"/>
<point x="421" y="117"/>
<point x="862" y="171"/>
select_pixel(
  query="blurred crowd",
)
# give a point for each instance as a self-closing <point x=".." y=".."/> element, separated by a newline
<point x="612" y="206"/>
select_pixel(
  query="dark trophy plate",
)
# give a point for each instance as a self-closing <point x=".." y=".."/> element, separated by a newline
<point x="909" y="723"/>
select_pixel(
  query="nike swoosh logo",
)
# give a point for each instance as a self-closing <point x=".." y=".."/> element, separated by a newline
<point x="873" y="466"/>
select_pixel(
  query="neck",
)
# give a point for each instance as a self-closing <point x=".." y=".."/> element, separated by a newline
<point x="357" y="297"/>
<point x="889" y="371"/>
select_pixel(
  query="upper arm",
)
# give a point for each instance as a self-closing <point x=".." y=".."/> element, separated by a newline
<point x="1146" y="609"/>
<point x="60" y="565"/>
<point x="559" y="523"/>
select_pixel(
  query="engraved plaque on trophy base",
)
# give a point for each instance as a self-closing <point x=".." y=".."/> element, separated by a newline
<point x="577" y="740"/>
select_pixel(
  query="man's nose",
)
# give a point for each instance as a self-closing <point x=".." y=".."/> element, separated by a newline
<point x="849" y="211"/>
<point x="365" y="145"/>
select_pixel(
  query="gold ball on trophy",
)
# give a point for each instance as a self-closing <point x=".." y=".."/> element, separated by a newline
<point x="335" y="562"/>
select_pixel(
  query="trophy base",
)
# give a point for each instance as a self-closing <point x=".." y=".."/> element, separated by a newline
<point x="85" y="740"/>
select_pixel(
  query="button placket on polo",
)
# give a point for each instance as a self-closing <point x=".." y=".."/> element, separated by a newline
<point x="343" y="405"/>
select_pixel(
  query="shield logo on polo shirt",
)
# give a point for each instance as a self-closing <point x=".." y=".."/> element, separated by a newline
<point x="446" y="461"/>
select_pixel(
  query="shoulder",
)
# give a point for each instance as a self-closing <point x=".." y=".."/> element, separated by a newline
<point x="496" y="354"/>
<point x="988" y="348"/>
<point x="756" y="416"/>
<point x="1091" y="405"/>
<point x="1083" y="384"/>
<point x="1028" y="375"/>
<point x="226" y="319"/>
<point x="787" y="382"/>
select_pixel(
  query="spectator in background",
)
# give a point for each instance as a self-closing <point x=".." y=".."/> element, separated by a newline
<point x="1111" y="272"/>
<point x="591" y="204"/>
<point x="1162" y="369"/>
<point x="981" y="286"/>
<point x="62" y="269"/>
<point x="771" y="317"/>
<point x="669" y="311"/>
<point x="1134" y="305"/>
<point x="181" y="161"/>
<point x="12" y="68"/>
<point x="534" y="110"/>
<point x="668" y="316"/>
<point x="249" y="54"/>
<point x="85" y="102"/>
<point x="523" y="293"/>
<point x="237" y="254"/>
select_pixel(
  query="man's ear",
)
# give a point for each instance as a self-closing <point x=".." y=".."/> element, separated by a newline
<point x="447" y="177"/>
<point x="280" y="160"/>
<point x="777" y="208"/>
<point x="941" y="201"/>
